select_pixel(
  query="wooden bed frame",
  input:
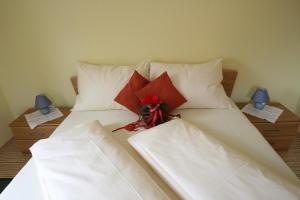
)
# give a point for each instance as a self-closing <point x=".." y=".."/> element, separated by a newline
<point x="229" y="77"/>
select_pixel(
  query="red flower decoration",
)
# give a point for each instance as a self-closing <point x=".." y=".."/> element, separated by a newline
<point x="128" y="127"/>
<point x="154" y="113"/>
<point x="150" y="99"/>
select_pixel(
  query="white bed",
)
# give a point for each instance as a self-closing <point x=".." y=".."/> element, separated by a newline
<point x="228" y="125"/>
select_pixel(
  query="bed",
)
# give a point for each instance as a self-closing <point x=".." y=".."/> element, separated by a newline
<point x="230" y="125"/>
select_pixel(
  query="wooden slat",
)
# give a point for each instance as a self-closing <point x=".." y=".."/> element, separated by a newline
<point x="25" y="136"/>
<point x="229" y="77"/>
<point x="286" y="116"/>
<point x="21" y="121"/>
<point x="25" y="133"/>
<point x="9" y="170"/>
<point x="24" y="145"/>
<point x="282" y="129"/>
<point x="280" y="143"/>
<point x="280" y="134"/>
<point x="292" y="156"/>
<point x="11" y="160"/>
<point x="74" y="83"/>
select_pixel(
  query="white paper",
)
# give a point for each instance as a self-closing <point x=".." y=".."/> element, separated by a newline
<point x="36" y="118"/>
<point x="269" y="113"/>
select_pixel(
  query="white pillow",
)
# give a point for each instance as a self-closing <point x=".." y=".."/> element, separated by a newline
<point x="98" y="85"/>
<point x="200" y="84"/>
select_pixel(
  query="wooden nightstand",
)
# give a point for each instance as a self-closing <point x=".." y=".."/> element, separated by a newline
<point x="281" y="134"/>
<point x="25" y="137"/>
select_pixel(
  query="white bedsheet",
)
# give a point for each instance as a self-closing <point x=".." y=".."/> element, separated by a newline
<point x="88" y="163"/>
<point x="231" y="126"/>
<point x="199" y="166"/>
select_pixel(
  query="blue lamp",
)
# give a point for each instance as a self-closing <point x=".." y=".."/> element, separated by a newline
<point x="42" y="103"/>
<point x="260" y="98"/>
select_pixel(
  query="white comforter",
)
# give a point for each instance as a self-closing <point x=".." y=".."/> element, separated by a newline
<point x="198" y="166"/>
<point x="88" y="163"/>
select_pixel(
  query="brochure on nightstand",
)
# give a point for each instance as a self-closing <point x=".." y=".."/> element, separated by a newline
<point x="36" y="118"/>
<point x="269" y="113"/>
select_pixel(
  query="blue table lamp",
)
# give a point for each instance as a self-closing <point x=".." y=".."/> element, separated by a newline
<point x="260" y="98"/>
<point x="42" y="103"/>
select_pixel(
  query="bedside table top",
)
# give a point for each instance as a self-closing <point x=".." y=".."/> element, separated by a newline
<point x="21" y="121"/>
<point x="286" y="116"/>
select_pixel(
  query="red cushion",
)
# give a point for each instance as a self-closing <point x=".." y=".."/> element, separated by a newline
<point x="126" y="96"/>
<point x="165" y="90"/>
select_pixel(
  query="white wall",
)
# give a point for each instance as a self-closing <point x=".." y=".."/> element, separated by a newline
<point x="5" y="119"/>
<point x="41" y="41"/>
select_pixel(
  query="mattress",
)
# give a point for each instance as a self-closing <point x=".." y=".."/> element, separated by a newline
<point x="230" y="126"/>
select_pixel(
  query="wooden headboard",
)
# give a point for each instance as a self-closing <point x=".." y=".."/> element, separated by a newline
<point x="229" y="77"/>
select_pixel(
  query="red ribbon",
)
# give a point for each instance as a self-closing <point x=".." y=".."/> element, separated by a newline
<point x="157" y="116"/>
<point x="128" y="127"/>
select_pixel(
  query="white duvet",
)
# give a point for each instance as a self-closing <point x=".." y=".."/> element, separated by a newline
<point x="88" y="163"/>
<point x="198" y="166"/>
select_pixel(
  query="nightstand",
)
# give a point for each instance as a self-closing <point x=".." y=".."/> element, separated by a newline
<point x="280" y="134"/>
<point x="26" y="137"/>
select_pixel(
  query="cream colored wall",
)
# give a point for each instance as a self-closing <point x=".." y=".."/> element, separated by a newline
<point x="5" y="119"/>
<point x="42" y="40"/>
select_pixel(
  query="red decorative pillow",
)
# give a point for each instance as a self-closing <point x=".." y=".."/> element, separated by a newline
<point x="126" y="96"/>
<point x="165" y="90"/>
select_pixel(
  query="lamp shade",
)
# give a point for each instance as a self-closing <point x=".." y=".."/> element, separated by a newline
<point x="261" y="96"/>
<point x="41" y="101"/>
